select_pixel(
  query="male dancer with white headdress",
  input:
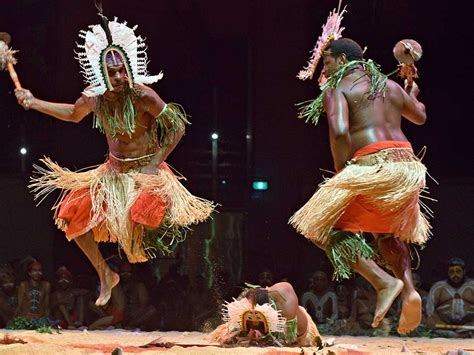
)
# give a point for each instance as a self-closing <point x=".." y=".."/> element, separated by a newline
<point x="133" y="198"/>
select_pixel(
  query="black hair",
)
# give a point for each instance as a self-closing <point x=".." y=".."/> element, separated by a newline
<point x="260" y="294"/>
<point x="456" y="262"/>
<point x="347" y="46"/>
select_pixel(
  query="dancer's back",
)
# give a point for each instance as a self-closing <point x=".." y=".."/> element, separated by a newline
<point x="374" y="120"/>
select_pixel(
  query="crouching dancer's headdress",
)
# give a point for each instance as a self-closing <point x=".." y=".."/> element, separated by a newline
<point x="258" y="322"/>
<point x="112" y="42"/>
<point x="245" y="315"/>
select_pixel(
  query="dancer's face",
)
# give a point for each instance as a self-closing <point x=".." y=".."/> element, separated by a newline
<point x="254" y="320"/>
<point x="116" y="70"/>
<point x="118" y="76"/>
<point x="332" y="63"/>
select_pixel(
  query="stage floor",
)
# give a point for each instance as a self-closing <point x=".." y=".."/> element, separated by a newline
<point x="104" y="342"/>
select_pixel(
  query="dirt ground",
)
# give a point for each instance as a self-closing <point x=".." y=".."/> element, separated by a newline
<point x="106" y="341"/>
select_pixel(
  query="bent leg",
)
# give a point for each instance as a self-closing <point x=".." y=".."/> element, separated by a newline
<point x="102" y="323"/>
<point x="386" y="286"/>
<point x="108" y="278"/>
<point x="397" y="255"/>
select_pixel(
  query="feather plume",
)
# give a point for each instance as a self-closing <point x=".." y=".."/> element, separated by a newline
<point x="332" y="30"/>
<point x="96" y="40"/>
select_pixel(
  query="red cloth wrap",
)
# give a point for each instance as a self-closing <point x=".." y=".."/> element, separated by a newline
<point x="362" y="216"/>
<point x="147" y="210"/>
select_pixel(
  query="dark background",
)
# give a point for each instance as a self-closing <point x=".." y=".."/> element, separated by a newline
<point x="233" y="66"/>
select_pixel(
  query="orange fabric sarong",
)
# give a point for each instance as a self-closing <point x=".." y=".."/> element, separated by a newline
<point x="75" y="210"/>
<point x="362" y="215"/>
<point x="145" y="213"/>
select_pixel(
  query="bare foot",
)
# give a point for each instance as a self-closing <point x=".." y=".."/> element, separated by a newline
<point x="385" y="298"/>
<point x="111" y="279"/>
<point x="410" y="316"/>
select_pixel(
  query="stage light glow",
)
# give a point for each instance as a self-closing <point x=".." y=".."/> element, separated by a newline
<point x="260" y="185"/>
<point x="214" y="136"/>
<point x="23" y="151"/>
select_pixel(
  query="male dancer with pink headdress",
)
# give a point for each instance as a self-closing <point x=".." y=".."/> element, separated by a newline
<point x="378" y="178"/>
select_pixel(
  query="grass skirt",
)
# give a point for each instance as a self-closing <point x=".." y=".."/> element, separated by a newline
<point x="143" y="213"/>
<point x="387" y="184"/>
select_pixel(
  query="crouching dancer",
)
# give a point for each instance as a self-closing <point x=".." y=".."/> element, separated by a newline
<point x="265" y="316"/>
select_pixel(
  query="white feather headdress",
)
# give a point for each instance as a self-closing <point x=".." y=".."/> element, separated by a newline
<point x="331" y="31"/>
<point x="91" y="56"/>
<point x="233" y="313"/>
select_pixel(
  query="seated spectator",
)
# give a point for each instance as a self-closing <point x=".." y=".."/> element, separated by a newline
<point x="111" y="315"/>
<point x="451" y="302"/>
<point x="204" y="304"/>
<point x="8" y="295"/>
<point x="363" y="305"/>
<point x="423" y="293"/>
<point x="320" y="301"/>
<point x="344" y="301"/>
<point x="67" y="302"/>
<point x="33" y="294"/>
<point x="86" y="283"/>
<point x="362" y="313"/>
<point x="172" y="302"/>
<point x="138" y="310"/>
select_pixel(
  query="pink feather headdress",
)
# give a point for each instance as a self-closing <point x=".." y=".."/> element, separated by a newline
<point x="331" y="31"/>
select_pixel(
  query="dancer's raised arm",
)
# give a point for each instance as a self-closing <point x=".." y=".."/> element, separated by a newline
<point x="64" y="112"/>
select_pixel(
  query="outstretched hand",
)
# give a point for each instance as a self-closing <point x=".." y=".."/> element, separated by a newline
<point x="413" y="89"/>
<point x="24" y="97"/>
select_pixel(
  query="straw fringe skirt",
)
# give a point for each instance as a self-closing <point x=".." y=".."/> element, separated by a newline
<point x="310" y="337"/>
<point x="121" y="206"/>
<point x="391" y="180"/>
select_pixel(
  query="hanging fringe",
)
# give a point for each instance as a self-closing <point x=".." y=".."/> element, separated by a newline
<point x="164" y="239"/>
<point x="116" y="117"/>
<point x="291" y="331"/>
<point x="113" y="194"/>
<point x="311" y="110"/>
<point x="343" y="248"/>
<point x="170" y="120"/>
<point x="184" y="208"/>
